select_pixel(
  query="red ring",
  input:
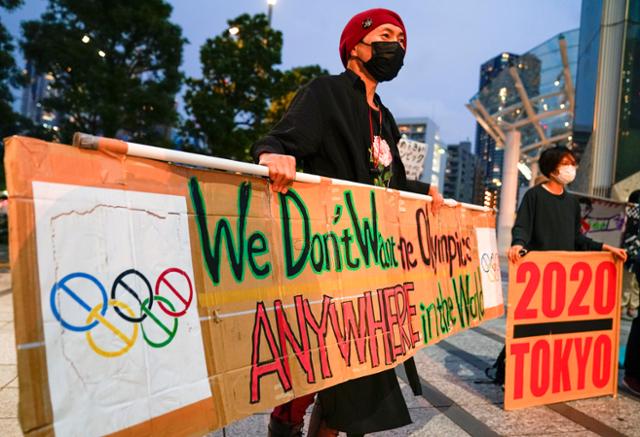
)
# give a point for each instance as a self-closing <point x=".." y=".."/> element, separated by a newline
<point x="187" y="303"/>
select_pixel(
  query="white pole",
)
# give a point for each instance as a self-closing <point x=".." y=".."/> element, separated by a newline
<point x="176" y="156"/>
<point x="509" y="191"/>
<point x="607" y="104"/>
<point x="535" y="172"/>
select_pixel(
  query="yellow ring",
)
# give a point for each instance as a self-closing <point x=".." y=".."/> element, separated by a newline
<point x="129" y="342"/>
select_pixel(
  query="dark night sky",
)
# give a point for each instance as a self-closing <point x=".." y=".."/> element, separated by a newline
<point x="447" y="42"/>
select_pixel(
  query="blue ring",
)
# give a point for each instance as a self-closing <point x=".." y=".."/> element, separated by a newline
<point x="57" y="287"/>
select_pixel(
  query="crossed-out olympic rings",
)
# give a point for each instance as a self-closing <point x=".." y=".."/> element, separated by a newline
<point x="490" y="265"/>
<point x="98" y="314"/>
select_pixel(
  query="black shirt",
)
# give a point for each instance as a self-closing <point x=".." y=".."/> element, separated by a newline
<point x="327" y="128"/>
<point x="547" y="221"/>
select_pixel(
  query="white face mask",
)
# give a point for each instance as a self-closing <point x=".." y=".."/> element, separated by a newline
<point x="566" y="174"/>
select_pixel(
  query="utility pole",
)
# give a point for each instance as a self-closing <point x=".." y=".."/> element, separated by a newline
<point x="270" y="4"/>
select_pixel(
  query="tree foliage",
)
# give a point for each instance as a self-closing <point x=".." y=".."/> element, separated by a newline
<point x="10" y="78"/>
<point x="113" y="67"/>
<point x="242" y="93"/>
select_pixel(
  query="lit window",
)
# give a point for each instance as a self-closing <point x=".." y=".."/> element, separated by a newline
<point x="503" y="94"/>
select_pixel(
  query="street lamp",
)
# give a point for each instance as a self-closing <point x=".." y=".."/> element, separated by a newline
<point x="233" y="31"/>
<point x="271" y="4"/>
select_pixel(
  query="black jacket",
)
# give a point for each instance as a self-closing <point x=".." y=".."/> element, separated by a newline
<point x="547" y="221"/>
<point x="327" y="129"/>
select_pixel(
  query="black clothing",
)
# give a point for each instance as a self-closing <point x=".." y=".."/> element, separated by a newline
<point x="547" y="221"/>
<point x="632" y="244"/>
<point x="632" y="353"/>
<point x="327" y="128"/>
<point x="368" y="404"/>
<point x="631" y="239"/>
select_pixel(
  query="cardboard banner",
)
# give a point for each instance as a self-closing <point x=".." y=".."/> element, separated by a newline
<point x="602" y="220"/>
<point x="153" y="298"/>
<point x="563" y="328"/>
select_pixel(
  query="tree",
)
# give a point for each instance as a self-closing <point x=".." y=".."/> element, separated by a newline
<point x="286" y="89"/>
<point x="241" y="92"/>
<point x="10" y="122"/>
<point x="113" y="66"/>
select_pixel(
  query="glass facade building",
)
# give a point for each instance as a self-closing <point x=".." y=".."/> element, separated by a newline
<point x="541" y="72"/>
<point x="491" y="156"/>
<point x="587" y="72"/>
<point x="532" y="93"/>
<point x="626" y="150"/>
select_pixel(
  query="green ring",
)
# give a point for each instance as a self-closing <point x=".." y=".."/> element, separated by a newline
<point x="171" y="334"/>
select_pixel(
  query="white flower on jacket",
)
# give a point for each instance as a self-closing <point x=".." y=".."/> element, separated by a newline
<point x="382" y="151"/>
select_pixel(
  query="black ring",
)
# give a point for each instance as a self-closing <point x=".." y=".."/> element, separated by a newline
<point x="119" y="281"/>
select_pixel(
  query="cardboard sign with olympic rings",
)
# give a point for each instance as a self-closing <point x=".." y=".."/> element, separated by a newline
<point x="158" y="299"/>
<point x="97" y="313"/>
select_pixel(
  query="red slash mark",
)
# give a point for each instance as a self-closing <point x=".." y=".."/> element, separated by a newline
<point x="166" y="278"/>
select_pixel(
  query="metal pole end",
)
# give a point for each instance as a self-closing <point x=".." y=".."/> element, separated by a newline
<point x="85" y="141"/>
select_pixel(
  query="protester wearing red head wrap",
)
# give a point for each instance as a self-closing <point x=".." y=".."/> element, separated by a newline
<point x="337" y="127"/>
<point x="363" y="23"/>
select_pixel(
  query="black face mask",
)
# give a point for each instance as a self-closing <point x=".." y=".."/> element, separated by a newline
<point x="386" y="60"/>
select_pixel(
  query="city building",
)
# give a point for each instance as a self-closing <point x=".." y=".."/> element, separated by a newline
<point x="33" y="94"/>
<point x="460" y="174"/>
<point x="527" y="106"/>
<point x="485" y="147"/>
<point x="608" y="96"/>
<point x="425" y="130"/>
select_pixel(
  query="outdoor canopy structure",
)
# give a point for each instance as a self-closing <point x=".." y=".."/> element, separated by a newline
<point x="526" y="108"/>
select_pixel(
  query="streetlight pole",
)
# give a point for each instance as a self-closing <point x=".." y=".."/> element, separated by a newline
<point x="270" y="4"/>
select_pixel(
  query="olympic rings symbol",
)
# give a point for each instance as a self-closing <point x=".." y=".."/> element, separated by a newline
<point x="86" y="291"/>
<point x="490" y="264"/>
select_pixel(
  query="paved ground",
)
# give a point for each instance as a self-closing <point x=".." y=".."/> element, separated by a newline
<point x="456" y="399"/>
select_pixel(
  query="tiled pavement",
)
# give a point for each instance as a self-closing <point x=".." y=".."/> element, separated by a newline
<point x="8" y="369"/>
<point x="456" y="401"/>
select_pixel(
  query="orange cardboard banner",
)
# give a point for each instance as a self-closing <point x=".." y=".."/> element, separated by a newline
<point x="563" y="327"/>
<point x="155" y="298"/>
